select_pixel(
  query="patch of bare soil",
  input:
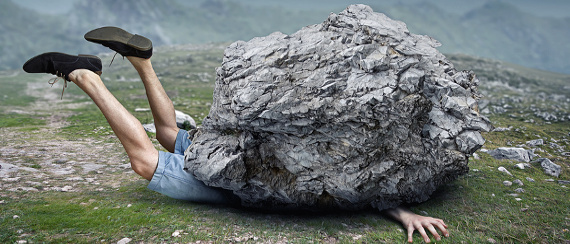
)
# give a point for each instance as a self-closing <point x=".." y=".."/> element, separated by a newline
<point x="41" y="160"/>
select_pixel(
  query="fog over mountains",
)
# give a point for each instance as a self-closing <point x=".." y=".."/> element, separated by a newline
<point x="523" y="33"/>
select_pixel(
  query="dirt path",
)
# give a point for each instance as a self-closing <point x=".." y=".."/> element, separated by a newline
<point x="42" y="160"/>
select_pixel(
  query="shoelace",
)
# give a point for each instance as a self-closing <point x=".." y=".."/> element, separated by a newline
<point x="114" y="58"/>
<point x="54" y="80"/>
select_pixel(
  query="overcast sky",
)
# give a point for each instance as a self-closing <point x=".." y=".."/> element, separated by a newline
<point x="545" y="8"/>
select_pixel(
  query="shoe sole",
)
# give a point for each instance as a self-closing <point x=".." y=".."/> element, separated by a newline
<point x="110" y="33"/>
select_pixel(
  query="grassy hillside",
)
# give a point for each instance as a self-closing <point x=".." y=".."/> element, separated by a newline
<point x="65" y="178"/>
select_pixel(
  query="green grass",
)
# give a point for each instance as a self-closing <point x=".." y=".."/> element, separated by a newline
<point x="27" y="122"/>
<point x="476" y="206"/>
<point x="13" y="89"/>
<point x="467" y="205"/>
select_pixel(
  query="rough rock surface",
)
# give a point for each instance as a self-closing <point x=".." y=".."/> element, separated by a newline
<point x="513" y="153"/>
<point x="355" y="112"/>
<point x="549" y="167"/>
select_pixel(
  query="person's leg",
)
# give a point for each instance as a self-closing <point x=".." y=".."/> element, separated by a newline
<point x="160" y="104"/>
<point x="164" y="170"/>
<point x="138" y="49"/>
<point x="141" y="151"/>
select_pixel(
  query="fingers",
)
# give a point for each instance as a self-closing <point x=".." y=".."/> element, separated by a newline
<point x="427" y="223"/>
<point x="442" y="227"/>
<point x="420" y="227"/>
<point x="441" y="221"/>
<point x="434" y="232"/>
<point x="410" y="233"/>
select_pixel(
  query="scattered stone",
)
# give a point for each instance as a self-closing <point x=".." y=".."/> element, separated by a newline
<point x="2" y="201"/>
<point x="355" y="112"/>
<point x="176" y="233"/>
<point x="507" y="183"/>
<point x="529" y="179"/>
<point x="502" y="169"/>
<point x="15" y="217"/>
<point x="149" y="128"/>
<point x="512" y="153"/>
<point x="77" y="178"/>
<point x="66" y="188"/>
<point x="124" y="240"/>
<point x="556" y="147"/>
<point x="491" y="240"/>
<point x="89" y="167"/>
<point x="62" y="171"/>
<point x="518" y="182"/>
<point x="182" y="118"/>
<point x="518" y="199"/>
<point x="519" y="190"/>
<point x="546" y="116"/>
<point x="549" y="180"/>
<point x="549" y="167"/>
<point x="501" y="129"/>
<point x="534" y="143"/>
<point x="21" y="241"/>
<point x="522" y="165"/>
<point x="513" y="195"/>
<point x="11" y="179"/>
<point x="524" y="209"/>
<point x="60" y="161"/>
<point x="7" y="169"/>
<point x="565" y="182"/>
<point x="23" y="188"/>
<point x="476" y="156"/>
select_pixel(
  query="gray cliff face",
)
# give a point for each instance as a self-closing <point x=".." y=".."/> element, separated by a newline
<point x="355" y="112"/>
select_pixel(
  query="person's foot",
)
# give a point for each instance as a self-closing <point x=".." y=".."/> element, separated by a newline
<point x="61" y="64"/>
<point x="121" y="41"/>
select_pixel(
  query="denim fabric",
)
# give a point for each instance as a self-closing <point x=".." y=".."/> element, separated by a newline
<point x="172" y="180"/>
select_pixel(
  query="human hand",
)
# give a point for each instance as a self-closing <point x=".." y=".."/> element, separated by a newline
<point x="413" y="222"/>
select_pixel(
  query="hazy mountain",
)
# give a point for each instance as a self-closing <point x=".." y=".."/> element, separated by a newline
<point x="25" y="33"/>
<point x="493" y="30"/>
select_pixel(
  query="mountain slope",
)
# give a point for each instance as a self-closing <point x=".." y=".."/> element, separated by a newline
<point x="25" y="32"/>
<point x="496" y="30"/>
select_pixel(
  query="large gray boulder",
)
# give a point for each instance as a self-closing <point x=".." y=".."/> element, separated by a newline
<point x="355" y="112"/>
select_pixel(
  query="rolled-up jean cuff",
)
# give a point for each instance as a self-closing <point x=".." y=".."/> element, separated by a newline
<point x="182" y="142"/>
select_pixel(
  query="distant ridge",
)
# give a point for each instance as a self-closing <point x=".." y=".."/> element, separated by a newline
<point x="496" y="30"/>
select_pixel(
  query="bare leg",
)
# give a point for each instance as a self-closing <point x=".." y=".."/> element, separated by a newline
<point x="160" y="104"/>
<point x="141" y="151"/>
